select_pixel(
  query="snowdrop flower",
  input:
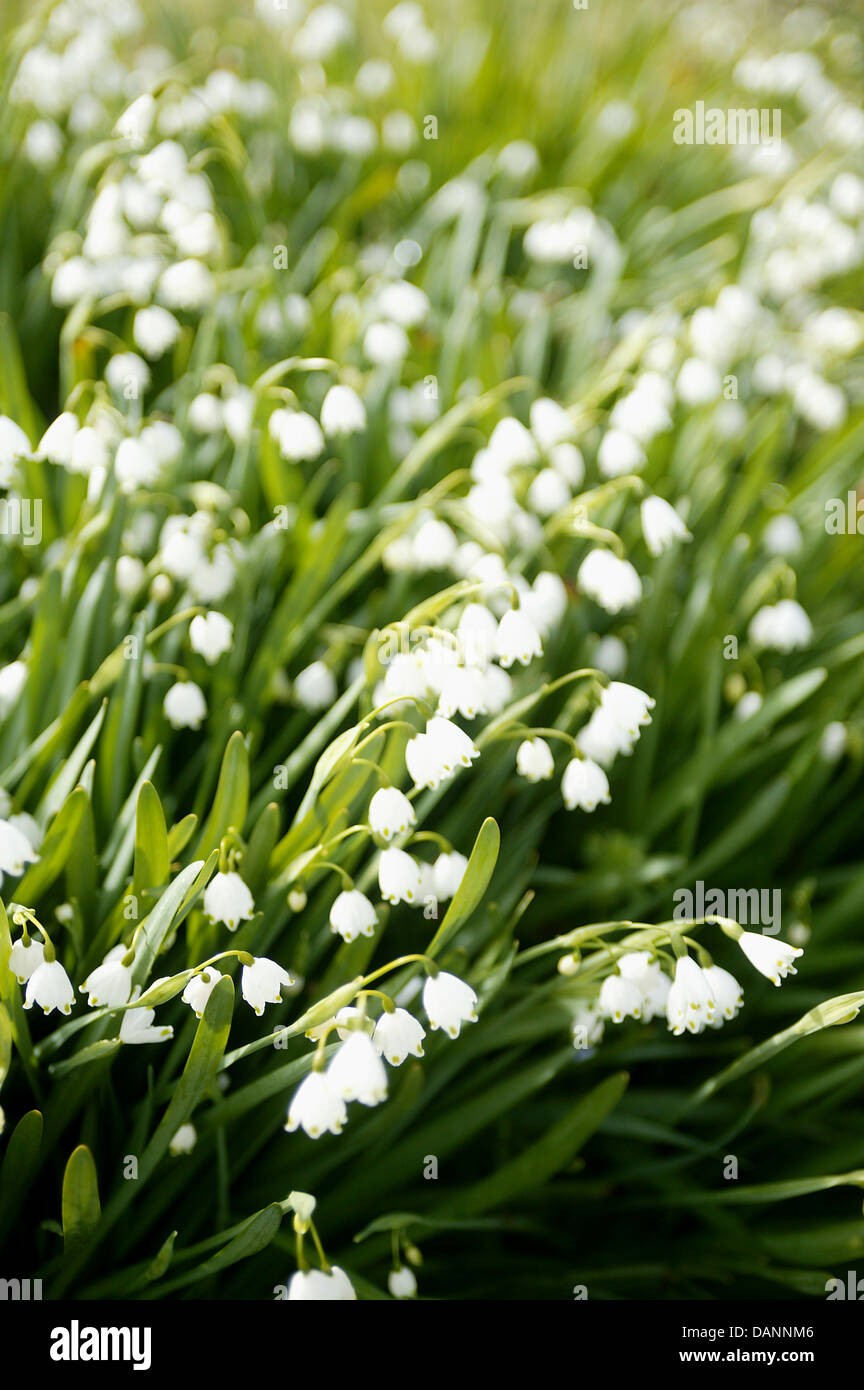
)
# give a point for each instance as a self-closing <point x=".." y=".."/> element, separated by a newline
<point x="50" y="987"/>
<point x="110" y="983"/>
<point x="136" y="1026"/>
<point x="784" y="627"/>
<point x="211" y="635"/>
<point x="498" y="688"/>
<point x="89" y="452"/>
<point x="612" y="583"/>
<point x="317" y="1108"/>
<point x="239" y="412"/>
<point x="352" y="915"/>
<point x="129" y="575"/>
<point x="534" y="760"/>
<point x="56" y="442"/>
<point x="357" y="1072"/>
<point x="315" y="687"/>
<point x="548" y="493"/>
<point x="627" y="705"/>
<point x="206" y="413"/>
<point x="155" y="330"/>
<point x="477" y="632"/>
<point x="610" y="656"/>
<point x="650" y="979"/>
<point x="135" y="465"/>
<point x="14" y="445"/>
<point x="261" y="982"/>
<point x="184" y="705"/>
<point x="13" y="679"/>
<point x="385" y="344"/>
<point x="434" y="545"/>
<point x="588" y="1025"/>
<point x="620" y="999"/>
<point x="401" y="1282"/>
<point x="16" y="851"/>
<point x="199" y="989"/>
<point x="342" y="412"/>
<point x="399" y="877"/>
<point x="832" y="744"/>
<point x="463" y="691"/>
<point x="448" y="872"/>
<point x="727" y="993"/>
<point x="398" y="1034"/>
<point x="184" y="1141"/>
<point x="585" y="785"/>
<point x="314" y="1285"/>
<point x="545" y="602"/>
<point x="390" y="813"/>
<point x="771" y="957"/>
<point x="299" y="436"/>
<point x="517" y="639"/>
<point x="661" y="525"/>
<point x="749" y="704"/>
<point x="782" y="536"/>
<point x="567" y="460"/>
<point x="186" y="285"/>
<point x="24" y="960"/>
<point x="603" y="738"/>
<point x="691" y="1004"/>
<point x="136" y="121"/>
<point x="448" y="1002"/>
<point x="698" y="382"/>
<point x="550" y="423"/>
<point x="434" y="756"/>
<point x="511" y="445"/>
<point x="619" y="453"/>
<point x="227" y="899"/>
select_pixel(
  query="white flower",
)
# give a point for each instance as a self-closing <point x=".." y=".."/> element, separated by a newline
<point x="135" y="123"/>
<point x="385" y="344"/>
<point x="206" y="413"/>
<point x="588" y="1025"/>
<point x="401" y="1282"/>
<point x="699" y="382"/>
<point x="448" y="1002"/>
<point x="603" y="738"/>
<point x="619" y="453"/>
<point x="627" y="705"/>
<point x="550" y="423"/>
<point x="548" y="493"/>
<point x="534" y="760"/>
<point x="342" y="412"/>
<point x="136" y="1027"/>
<point x="585" y="785"/>
<point x="477" y="632"/>
<point x="199" y="989"/>
<point x="227" y="899"/>
<point x="785" y="627"/>
<point x="612" y="583"/>
<point x="448" y="873"/>
<point x="155" y="330"/>
<point x="186" y="285"/>
<point x="16" y="851"/>
<point x="691" y="1004"/>
<point x="399" y="876"/>
<point x="13" y="679"/>
<point x="183" y="1141"/>
<point x="261" y="982"/>
<point x="463" y="691"/>
<point x="771" y="957"/>
<point x="111" y="982"/>
<point x="650" y="979"/>
<point x="135" y="465"/>
<point x="211" y="635"/>
<point x="24" y="960"/>
<point x="782" y="535"/>
<point x="450" y="744"/>
<point x="357" y="1072"/>
<point x="14" y="445"/>
<point x="517" y="639"/>
<point x="129" y="575"/>
<point x="726" y="990"/>
<point x="390" y="813"/>
<point x="298" y="435"/>
<point x="184" y="705"/>
<point x="56" y="443"/>
<point x="239" y="412"/>
<point x="620" y="999"/>
<point x="661" y="525"/>
<point x="316" y="1107"/>
<point x="315" y="686"/>
<point x="610" y="655"/>
<point x="511" y="445"/>
<point x="397" y="1034"/>
<point x="352" y="915"/>
<point x="434" y="546"/>
<point x="313" y="1285"/>
<point x="50" y="987"/>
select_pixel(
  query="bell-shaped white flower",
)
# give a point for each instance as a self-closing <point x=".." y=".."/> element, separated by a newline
<point x="136" y="1027"/>
<point x="16" y="851"/>
<point x="315" y="687"/>
<point x="50" y="987"/>
<point x="357" y="1072"/>
<point x="661" y="525"/>
<point x="110" y="983"/>
<point x="785" y="627"/>
<point x="199" y="989"/>
<point x="448" y="872"/>
<point x="517" y="639"/>
<point x="390" y="813"/>
<point x="771" y="957"/>
<point x="227" y="899"/>
<point x="342" y="412"/>
<point x="211" y="635"/>
<point x="603" y="738"/>
<point x="262" y="981"/>
<point x="316" y="1286"/>
<point x="449" y="1002"/>
<point x="434" y="756"/>
<point x="399" y="877"/>
<point x="691" y="1005"/>
<point x="727" y="992"/>
<point x="184" y="705"/>
<point x="463" y="691"/>
<point x="184" y="1141"/>
<point x="299" y="436"/>
<point x="398" y="1034"/>
<point x="534" y="760"/>
<point x="24" y="960"/>
<point x="401" y="1282"/>
<point x="477" y="632"/>
<point x="588" y="1024"/>
<point x="620" y="999"/>
<point x="13" y="679"/>
<point x="584" y="784"/>
<point x="650" y="979"/>
<point x="612" y="583"/>
<point x="627" y="705"/>
<point x="316" y="1107"/>
<point x="511" y="445"/>
<point x="352" y="915"/>
<point x="550" y="423"/>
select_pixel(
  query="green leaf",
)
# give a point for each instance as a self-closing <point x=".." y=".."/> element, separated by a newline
<point x="19" y="1166"/>
<point x="81" y="1209"/>
<point x="152" y="856"/>
<point x="55" y="850"/>
<point x="231" y="799"/>
<point x="475" y="881"/>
